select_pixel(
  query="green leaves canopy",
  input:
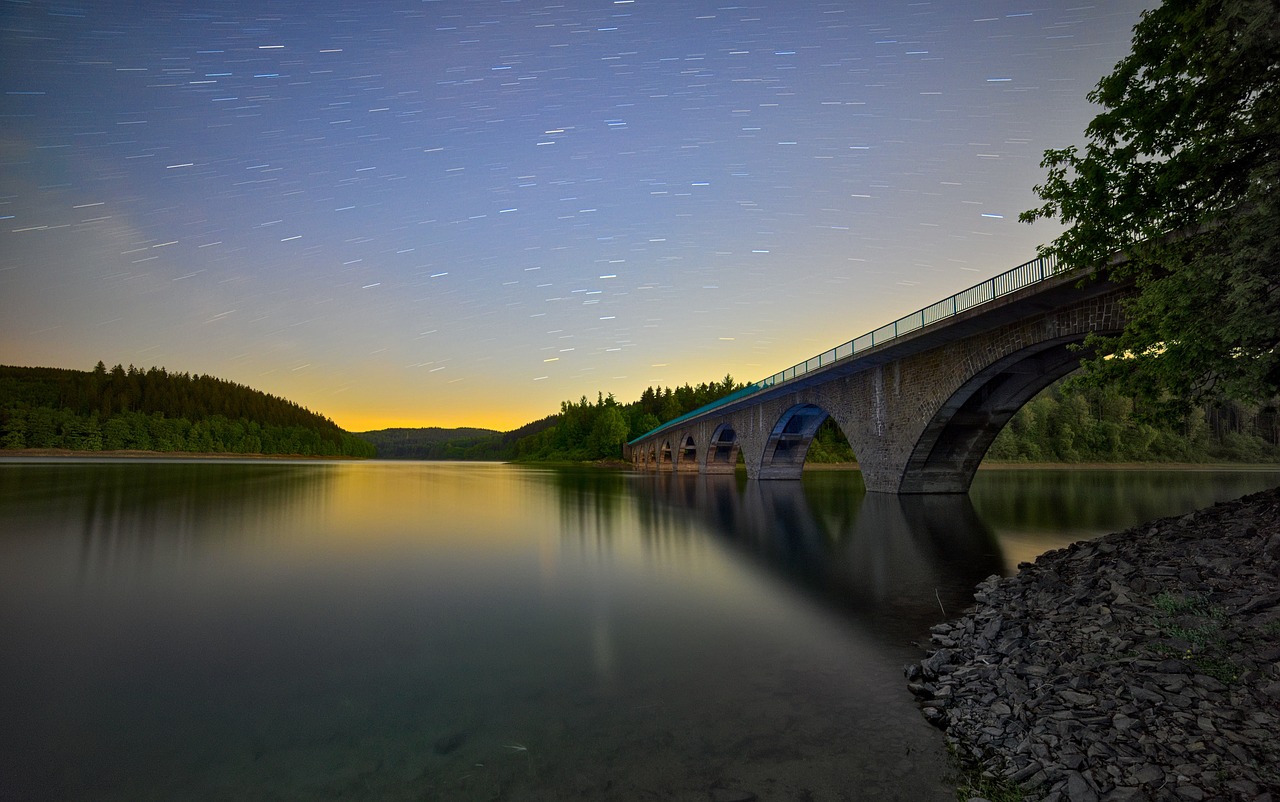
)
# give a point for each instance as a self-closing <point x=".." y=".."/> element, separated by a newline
<point x="1181" y="173"/>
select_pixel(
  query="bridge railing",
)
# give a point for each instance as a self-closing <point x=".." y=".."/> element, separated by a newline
<point x="1024" y="275"/>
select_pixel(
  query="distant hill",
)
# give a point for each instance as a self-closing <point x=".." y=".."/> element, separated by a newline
<point x="432" y="442"/>
<point x="154" y="410"/>
<point x="435" y="443"/>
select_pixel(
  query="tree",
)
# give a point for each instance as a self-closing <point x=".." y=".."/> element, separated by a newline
<point x="1182" y="173"/>
<point x="608" y="432"/>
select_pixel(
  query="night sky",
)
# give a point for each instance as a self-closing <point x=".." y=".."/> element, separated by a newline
<point x="448" y="213"/>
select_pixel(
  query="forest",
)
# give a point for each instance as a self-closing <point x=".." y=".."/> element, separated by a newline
<point x="155" y="410"/>
<point x="1066" y="423"/>
<point x="587" y="431"/>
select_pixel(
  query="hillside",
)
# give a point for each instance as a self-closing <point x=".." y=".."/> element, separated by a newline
<point x="154" y="410"/>
<point x="431" y="442"/>
<point x="434" y="443"/>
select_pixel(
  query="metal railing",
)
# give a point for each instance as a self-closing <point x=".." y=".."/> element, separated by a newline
<point x="1024" y="275"/>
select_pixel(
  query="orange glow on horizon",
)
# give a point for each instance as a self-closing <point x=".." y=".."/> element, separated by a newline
<point x="358" y="421"/>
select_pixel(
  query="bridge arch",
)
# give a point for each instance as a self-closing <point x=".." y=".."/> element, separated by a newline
<point x="789" y="441"/>
<point x="687" y="459"/>
<point x="723" y="450"/>
<point x="957" y="437"/>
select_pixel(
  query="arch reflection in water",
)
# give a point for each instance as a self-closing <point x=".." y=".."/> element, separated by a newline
<point x="895" y="562"/>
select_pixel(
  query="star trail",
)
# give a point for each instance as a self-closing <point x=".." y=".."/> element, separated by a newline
<point x="461" y="213"/>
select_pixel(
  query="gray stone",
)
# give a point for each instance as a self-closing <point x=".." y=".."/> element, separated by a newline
<point x="1080" y="698"/>
<point x="1078" y="788"/>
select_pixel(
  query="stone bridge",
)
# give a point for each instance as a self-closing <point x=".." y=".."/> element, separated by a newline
<point x="920" y="400"/>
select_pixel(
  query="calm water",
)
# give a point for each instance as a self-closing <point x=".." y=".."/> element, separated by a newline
<point x="428" y="631"/>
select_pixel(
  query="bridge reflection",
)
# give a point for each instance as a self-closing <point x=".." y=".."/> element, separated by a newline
<point x="894" y="563"/>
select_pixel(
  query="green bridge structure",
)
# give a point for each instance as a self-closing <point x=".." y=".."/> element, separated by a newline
<point x="920" y="399"/>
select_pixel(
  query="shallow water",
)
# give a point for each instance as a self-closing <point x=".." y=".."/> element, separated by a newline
<point x="295" y="631"/>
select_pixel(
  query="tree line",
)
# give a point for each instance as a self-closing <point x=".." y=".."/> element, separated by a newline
<point x="1081" y="422"/>
<point x="1067" y="422"/>
<point x="155" y="410"/>
<point x="587" y="431"/>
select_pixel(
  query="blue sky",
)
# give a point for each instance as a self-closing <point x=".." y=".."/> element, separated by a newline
<point x="462" y="213"/>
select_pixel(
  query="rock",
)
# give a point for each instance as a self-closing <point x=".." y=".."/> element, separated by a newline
<point x="1089" y="674"/>
<point x="1079" y="699"/>
<point x="1023" y="774"/>
<point x="1078" y="788"/>
<point x="1263" y="602"/>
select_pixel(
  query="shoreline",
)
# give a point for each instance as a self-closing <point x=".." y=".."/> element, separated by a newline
<point x="1144" y="664"/>
<point x="1085" y="466"/>
<point x="63" y="453"/>
<point x="60" y="453"/>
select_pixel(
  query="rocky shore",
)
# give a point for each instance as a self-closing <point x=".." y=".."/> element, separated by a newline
<point x="1141" y="665"/>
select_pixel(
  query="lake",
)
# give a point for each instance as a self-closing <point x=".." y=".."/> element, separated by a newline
<point x="229" y="630"/>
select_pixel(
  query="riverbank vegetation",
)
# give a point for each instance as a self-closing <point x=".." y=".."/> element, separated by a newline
<point x="1065" y="423"/>
<point x="583" y="431"/>
<point x="154" y="410"/>
<point x="586" y="431"/>
<point x="1069" y="423"/>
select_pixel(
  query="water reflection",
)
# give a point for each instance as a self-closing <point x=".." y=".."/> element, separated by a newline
<point x="1033" y="511"/>
<point x="395" y="630"/>
<point x="140" y="517"/>
<point x="891" y="562"/>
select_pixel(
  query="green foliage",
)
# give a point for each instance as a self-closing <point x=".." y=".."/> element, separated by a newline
<point x="1188" y="142"/>
<point x="1194" y="630"/>
<point x="1072" y="423"/>
<point x="971" y="781"/>
<point x="1177" y="604"/>
<point x="155" y="410"/>
<point x="829" y="445"/>
<point x="586" y="431"/>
